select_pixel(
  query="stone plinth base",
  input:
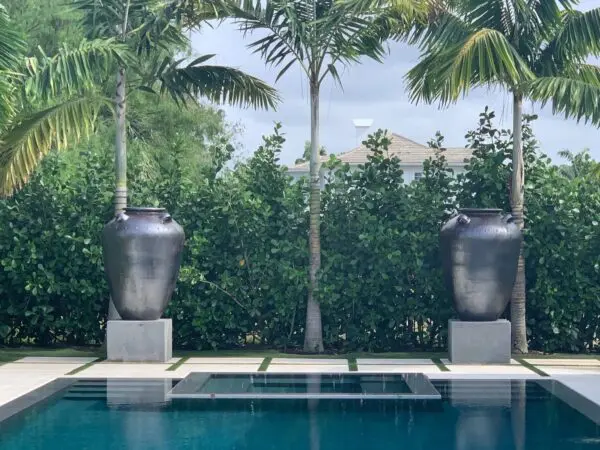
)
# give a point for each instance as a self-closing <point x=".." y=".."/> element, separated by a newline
<point x="139" y="340"/>
<point x="479" y="342"/>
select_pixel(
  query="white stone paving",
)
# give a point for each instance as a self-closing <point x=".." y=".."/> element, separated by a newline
<point x="583" y="362"/>
<point x="185" y="369"/>
<point x="395" y="361"/>
<point x="309" y="361"/>
<point x="126" y="370"/>
<point x="225" y="360"/>
<point x="570" y="370"/>
<point x="396" y="368"/>
<point x="24" y="375"/>
<point x="396" y="365"/>
<point x="57" y="359"/>
<point x="514" y="368"/>
<point x="308" y="365"/>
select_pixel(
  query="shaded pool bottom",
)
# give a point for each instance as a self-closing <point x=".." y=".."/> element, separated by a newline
<point x="475" y="415"/>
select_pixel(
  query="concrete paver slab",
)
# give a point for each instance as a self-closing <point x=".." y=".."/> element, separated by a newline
<point x="395" y="361"/>
<point x="209" y="360"/>
<point x="309" y="361"/>
<point x="57" y="360"/>
<point x="585" y="362"/>
<point x="308" y="368"/>
<point x="398" y="368"/>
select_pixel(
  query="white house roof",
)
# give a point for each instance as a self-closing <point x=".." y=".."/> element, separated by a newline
<point x="407" y="150"/>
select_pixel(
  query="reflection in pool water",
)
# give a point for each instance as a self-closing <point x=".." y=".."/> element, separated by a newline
<point x="136" y="415"/>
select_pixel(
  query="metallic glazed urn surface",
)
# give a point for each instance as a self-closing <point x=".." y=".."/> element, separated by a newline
<point x="142" y="254"/>
<point x="480" y="251"/>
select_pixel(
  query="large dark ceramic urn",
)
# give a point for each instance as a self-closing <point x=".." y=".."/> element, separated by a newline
<point x="480" y="251"/>
<point x="142" y="255"/>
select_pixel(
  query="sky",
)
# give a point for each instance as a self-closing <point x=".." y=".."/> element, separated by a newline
<point x="374" y="91"/>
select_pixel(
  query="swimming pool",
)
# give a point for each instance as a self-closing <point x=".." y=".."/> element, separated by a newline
<point x="140" y="415"/>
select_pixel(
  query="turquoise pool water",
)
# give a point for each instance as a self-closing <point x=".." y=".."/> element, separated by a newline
<point x="477" y="415"/>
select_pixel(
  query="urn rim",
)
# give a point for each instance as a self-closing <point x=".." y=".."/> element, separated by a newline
<point x="480" y="211"/>
<point x="144" y="210"/>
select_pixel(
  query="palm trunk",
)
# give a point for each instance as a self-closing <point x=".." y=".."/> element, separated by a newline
<point x="313" y="335"/>
<point x="120" y="160"/>
<point x="517" y="303"/>
<point x="314" y="387"/>
<point x="121" y="144"/>
<point x="518" y="413"/>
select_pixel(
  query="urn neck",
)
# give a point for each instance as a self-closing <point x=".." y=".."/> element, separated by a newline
<point x="480" y="212"/>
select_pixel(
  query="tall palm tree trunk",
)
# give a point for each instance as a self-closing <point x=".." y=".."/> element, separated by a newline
<point x="120" y="160"/>
<point x="121" y="143"/>
<point x="313" y="336"/>
<point x="517" y="303"/>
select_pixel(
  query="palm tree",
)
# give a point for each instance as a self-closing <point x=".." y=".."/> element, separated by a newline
<point x="67" y="83"/>
<point x="152" y="31"/>
<point x="40" y="104"/>
<point x="534" y="49"/>
<point x="136" y="38"/>
<point x="319" y="36"/>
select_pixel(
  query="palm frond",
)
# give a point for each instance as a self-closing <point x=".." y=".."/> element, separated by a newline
<point x="12" y="51"/>
<point x="29" y="139"/>
<point x="150" y="24"/>
<point x="488" y="54"/>
<point x="215" y="83"/>
<point x="190" y="14"/>
<point x="12" y="45"/>
<point x="8" y="97"/>
<point x="445" y="29"/>
<point x="492" y="14"/>
<point x="580" y="34"/>
<point x="104" y="18"/>
<point x="72" y="71"/>
<point x="574" y="93"/>
<point x="484" y="58"/>
<point x="397" y="17"/>
<point x="157" y="30"/>
<point x="318" y="34"/>
<point x="286" y="23"/>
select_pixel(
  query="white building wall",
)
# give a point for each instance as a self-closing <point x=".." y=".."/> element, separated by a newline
<point x="410" y="173"/>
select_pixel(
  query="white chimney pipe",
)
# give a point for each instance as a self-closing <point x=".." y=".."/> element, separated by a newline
<point x="361" y="126"/>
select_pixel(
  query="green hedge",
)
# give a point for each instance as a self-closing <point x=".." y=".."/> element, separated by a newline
<point x="244" y="273"/>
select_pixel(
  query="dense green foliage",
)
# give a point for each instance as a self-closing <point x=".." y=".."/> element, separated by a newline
<point x="243" y="279"/>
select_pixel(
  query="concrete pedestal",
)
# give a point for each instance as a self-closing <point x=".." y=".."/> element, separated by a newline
<point x="139" y="340"/>
<point x="479" y="342"/>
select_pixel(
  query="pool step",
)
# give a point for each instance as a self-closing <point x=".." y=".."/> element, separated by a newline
<point x="121" y="392"/>
<point x="488" y="392"/>
<point x="349" y="386"/>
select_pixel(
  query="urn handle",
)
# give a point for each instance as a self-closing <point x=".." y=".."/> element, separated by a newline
<point x="463" y="219"/>
<point x="167" y="218"/>
<point x="508" y="218"/>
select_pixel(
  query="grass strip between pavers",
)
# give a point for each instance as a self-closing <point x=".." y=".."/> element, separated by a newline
<point x="440" y="365"/>
<point x="85" y="366"/>
<point x="352" y="365"/>
<point x="263" y="366"/>
<point x="178" y="364"/>
<point x="531" y="367"/>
